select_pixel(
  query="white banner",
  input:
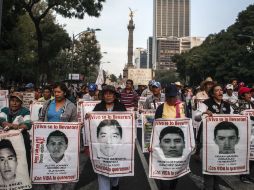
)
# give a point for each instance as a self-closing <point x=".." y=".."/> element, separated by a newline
<point x="13" y="162"/>
<point x="226" y="145"/>
<point x="35" y="109"/>
<point x="4" y="102"/>
<point x="147" y="127"/>
<point x="28" y="98"/>
<point x="112" y="143"/>
<point x="140" y="76"/>
<point x="55" y="156"/>
<point x="172" y="143"/>
<point x="250" y="113"/>
<point x="85" y="107"/>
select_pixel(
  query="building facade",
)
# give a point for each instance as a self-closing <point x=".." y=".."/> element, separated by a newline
<point x="140" y="58"/>
<point x="172" y="18"/>
<point x="171" y="26"/>
<point x="150" y="52"/>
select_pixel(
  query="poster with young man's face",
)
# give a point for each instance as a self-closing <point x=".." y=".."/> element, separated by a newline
<point x="250" y="113"/>
<point x="55" y="156"/>
<point x="13" y="162"/>
<point x="171" y="143"/>
<point x="147" y="126"/>
<point x="226" y="141"/>
<point x="112" y="143"/>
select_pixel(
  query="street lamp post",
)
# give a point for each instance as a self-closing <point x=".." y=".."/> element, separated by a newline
<point x="88" y="30"/>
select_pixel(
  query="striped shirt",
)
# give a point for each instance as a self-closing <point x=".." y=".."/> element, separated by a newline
<point x="129" y="99"/>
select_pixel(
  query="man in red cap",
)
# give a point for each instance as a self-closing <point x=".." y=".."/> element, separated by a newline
<point x="245" y="103"/>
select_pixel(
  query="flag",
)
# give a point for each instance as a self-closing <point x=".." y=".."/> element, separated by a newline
<point x="100" y="79"/>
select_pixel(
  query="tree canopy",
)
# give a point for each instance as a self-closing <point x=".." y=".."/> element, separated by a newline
<point x="223" y="56"/>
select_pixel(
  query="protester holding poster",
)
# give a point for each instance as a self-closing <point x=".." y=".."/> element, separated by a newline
<point x="13" y="164"/>
<point x="59" y="109"/>
<point x="17" y="117"/>
<point x="172" y="143"/>
<point x="153" y="101"/>
<point x="172" y="108"/>
<point x="109" y="103"/>
<point x="245" y="103"/>
<point x="213" y="105"/>
<point x="55" y="154"/>
<point x="226" y="145"/>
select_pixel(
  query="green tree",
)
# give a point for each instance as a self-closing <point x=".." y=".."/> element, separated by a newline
<point x="69" y="8"/>
<point x="223" y="56"/>
<point x="165" y="77"/>
<point x="87" y="56"/>
<point x="113" y="78"/>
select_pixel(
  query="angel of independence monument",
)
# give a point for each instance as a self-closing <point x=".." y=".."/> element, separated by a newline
<point x="131" y="27"/>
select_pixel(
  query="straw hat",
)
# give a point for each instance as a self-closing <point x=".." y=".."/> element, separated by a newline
<point x="207" y="80"/>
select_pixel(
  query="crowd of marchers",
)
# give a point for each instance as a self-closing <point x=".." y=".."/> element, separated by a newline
<point x="178" y="101"/>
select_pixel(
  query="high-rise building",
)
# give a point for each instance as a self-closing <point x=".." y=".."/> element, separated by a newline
<point x="140" y="58"/>
<point x="150" y="52"/>
<point x="172" y="18"/>
<point x="168" y="47"/>
<point x="171" y="21"/>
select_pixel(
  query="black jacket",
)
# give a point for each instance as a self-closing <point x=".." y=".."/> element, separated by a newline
<point x="223" y="108"/>
<point x="118" y="106"/>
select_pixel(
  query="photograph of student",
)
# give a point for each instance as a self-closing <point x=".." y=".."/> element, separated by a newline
<point x="8" y="162"/>
<point x="57" y="143"/>
<point x="226" y="136"/>
<point x="172" y="142"/>
<point x="109" y="134"/>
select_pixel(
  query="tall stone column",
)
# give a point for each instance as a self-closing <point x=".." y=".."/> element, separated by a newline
<point x="130" y="28"/>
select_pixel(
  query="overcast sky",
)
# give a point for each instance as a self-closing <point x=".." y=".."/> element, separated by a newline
<point x="207" y="16"/>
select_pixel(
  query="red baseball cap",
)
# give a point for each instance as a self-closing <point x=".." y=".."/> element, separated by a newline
<point x="243" y="90"/>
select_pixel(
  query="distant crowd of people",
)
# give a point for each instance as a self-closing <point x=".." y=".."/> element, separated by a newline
<point x="173" y="101"/>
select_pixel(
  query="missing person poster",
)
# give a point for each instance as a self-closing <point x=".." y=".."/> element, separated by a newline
<point x="226" y="140"/>
<point x="172" y="143"/>
<point x="86" y="107"/>
<point x="28" y="98"/>
<point x="141" y="102"/>
<point x="250" y="113"/>
<point x="35" y="109"/>
<point x="147" y="121"/>
<point x="112" y="143"/>
<point x="4" y="102"/>
<point x="13" y="163"/>
<point x="55" y="157"/>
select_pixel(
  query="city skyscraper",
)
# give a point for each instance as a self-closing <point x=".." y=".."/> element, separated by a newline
<point x="171" y="23"/>
<point x="172" y="18"/>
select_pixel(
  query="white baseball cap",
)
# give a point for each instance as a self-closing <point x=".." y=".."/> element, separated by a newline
<point x="230" y="87"/>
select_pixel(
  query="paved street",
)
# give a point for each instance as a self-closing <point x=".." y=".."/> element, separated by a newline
<point x="140" y="181"/>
